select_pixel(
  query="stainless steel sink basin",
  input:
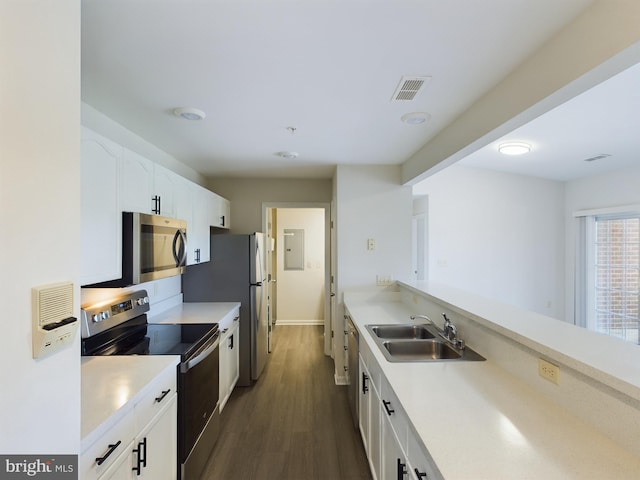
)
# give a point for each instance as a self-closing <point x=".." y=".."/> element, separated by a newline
<point x="417" y="343"/>
<point x="402" y="331"/>
<point x="421" y="350"/>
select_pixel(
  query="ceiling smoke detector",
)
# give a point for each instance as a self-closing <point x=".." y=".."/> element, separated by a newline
<point x="288" y="155"/>
<point x="514" y="148"/>
<point x="189" y="113"/>
<point x="415" y="118"/>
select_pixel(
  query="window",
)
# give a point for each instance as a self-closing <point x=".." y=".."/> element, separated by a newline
<point x="613" y="275"/>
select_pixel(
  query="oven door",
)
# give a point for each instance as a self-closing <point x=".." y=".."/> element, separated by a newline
<point x="199" y="384"/>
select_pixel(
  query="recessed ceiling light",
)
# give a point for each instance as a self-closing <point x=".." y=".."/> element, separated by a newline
<point x="189" y="113"/>
<point x="415" y="118"/>
<point x="514" y="148"/>
<point x="288" y="155"/>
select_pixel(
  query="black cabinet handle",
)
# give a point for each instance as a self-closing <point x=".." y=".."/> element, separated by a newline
<point x="402" y="469"/>
<point x="365" y="388"/>
<point x="420" y="475"/>
<point x="141" y="460"/>
<point x="222" y="218"/>
<point x="161" y="397"/>
<point x="112" y="448"/>
<point x="386" y="407"/>
<point x="156" y="204"/>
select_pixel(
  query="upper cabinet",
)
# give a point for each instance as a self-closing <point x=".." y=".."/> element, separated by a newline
<point x="101" y="235"/>
<point x="146" y="187"/>
<point x="129" y="182"/>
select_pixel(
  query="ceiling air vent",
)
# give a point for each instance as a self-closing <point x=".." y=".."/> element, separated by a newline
<point x="597" y="157"/>
<point x="409" y="87"/>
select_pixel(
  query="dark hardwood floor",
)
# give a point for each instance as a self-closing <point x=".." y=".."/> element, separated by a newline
<point x="294" y="423"/>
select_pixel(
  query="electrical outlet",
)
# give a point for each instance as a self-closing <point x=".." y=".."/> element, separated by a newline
<point x="549" y="371"/>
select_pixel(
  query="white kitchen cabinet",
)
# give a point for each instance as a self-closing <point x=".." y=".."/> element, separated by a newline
<point x="393" y="451"/>
<point x="101" y="235"/>
<point x="155" y="447"/>
<point x="136" y="183"/>
<point x="229" y="361"/>
<point x="198" y="230"/>
<point x="221" y="214"/>
<point x="147" y="187"/>
<point x="143" y="442"/>
<point x="165" y="185"/>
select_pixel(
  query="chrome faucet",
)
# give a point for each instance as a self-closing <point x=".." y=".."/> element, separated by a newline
<point x="424" y="317"/>
<point x="450" y="333"/>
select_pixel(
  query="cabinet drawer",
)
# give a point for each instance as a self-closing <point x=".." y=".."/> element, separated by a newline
<point x="420" y="462"/>
<point x="392" y="409"/>
<point x="160" y="391"/>
<point x="112" y="445"/>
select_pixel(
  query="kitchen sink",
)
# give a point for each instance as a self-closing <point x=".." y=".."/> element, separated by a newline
<point x="421" y="350"/>
<point x="417" y="343"/>
<point x="402" y="331"/>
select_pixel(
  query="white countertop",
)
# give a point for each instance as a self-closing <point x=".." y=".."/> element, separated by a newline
<point x="479" y="422"/>
<point x="111" y="385"/>
<point x="199" y="312"/>
<point x="612" y="361"/>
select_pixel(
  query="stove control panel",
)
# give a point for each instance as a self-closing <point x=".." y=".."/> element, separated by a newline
<point x="96" y="318"/>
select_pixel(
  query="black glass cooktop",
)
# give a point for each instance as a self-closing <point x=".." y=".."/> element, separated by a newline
<point x="137" y="337"/>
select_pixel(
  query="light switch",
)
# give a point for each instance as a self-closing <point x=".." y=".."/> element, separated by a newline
<point x="371" y="244"/>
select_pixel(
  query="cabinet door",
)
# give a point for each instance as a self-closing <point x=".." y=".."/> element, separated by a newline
<point x="394" y="462"/>
<point x="155" y="448"/>
<point x="421" y="467"/>
<point x="101" y="222"/>
<point x="165" y="184"/>
<point x="136" y="183"/>
<point x="225" y="360"/>
<point x="199" y="247"/>
<point x="121" y="468"/>
<point x="364" y="405"/>
<point x="234" y="370"/>
<point x="225" y="213"/>
<point x="375" y="433"/>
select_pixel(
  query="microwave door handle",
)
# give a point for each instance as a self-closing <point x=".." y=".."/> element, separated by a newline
<point x="180" y="253"/>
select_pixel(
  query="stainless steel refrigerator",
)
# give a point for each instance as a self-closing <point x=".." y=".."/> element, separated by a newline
<point x="236" y="273"/>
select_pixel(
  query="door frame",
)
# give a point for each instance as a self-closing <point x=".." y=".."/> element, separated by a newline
<point x="326" y="206"/>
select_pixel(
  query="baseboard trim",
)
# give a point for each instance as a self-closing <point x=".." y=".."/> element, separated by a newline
<point x="299" y="322"/>
<point x="340" y="379"/>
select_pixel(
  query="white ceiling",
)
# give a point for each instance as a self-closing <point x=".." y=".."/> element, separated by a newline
<point x="603" y="120"/>
<point x="327" y="67"/>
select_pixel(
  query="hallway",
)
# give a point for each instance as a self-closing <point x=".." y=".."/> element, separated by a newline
<point x="294" y="423"/>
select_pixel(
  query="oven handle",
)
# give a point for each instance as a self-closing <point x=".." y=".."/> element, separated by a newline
<point x="189" y="364"/>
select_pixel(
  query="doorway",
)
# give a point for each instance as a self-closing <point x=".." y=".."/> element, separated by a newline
<point x="298" y="266"/>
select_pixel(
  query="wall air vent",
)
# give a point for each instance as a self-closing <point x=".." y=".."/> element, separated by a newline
<point x="597" y="157"/>
<point x="409" y="87"/>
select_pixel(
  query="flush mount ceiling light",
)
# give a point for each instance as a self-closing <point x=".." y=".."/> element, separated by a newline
<point x="514" y="148"/>
<point x="288" y="155"/>
<point x="189" y="113"/>
<point x="415" y="118"/>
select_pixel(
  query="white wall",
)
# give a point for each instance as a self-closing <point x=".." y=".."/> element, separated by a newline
<point x="615" y="189"/>
<point x="497" y="235"/>
<point x="301" y="292"/>
<point x="371" y="203"/>
<point x="40" y="217"/>
<point x="247" y="195"/>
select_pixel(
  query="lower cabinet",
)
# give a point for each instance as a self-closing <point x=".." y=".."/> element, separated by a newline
<point x="143" y="443"/>
<point x="229" y="361"/>
<point x="393" y="450"/>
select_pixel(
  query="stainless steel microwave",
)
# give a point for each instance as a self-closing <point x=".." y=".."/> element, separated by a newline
<point x="153" y="247"/>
